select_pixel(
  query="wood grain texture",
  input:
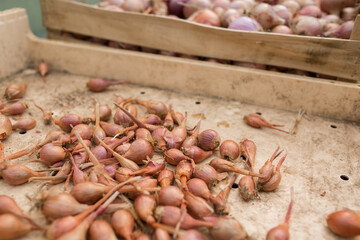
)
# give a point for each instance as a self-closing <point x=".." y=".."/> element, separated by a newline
<point x="355" y="34"/>
<point x="14" y="52"/>
<point x="335" y="57"/>
<point x="285" y="91"/>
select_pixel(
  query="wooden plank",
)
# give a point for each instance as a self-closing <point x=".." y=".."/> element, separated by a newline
<point x="327" y="56"/>
<point x="14" y="52"/>
<point x="285" y="91"/>
<point x="355" y="34"/>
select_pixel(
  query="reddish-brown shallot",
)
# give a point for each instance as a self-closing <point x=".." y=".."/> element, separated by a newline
<point x="89" y="192"/>
<point x="226" y="228"/>
<point x="111" y="129"/>
<point x="99" y="133"/>
<point x="190" y="235"/>
<point x="183" y="172"/>
<point x="43" y="69"/>
<point x="52" y="136"/>
<point x="161" y="234"/>
<point x="123" y="148"/>
<point x="168" y="120"/>
<point x="143" y="133"/>
<point x="171" y="196"/>
<point x="79" y="232"/>
<point x="122" y="174"/>
<point x="99" y="84"/>
<point x="84" y="130"/>
<point x="16" y="174"/>
<point x="165" y="178"/>
<point x="60" y="176"/>
<point x="209" y="139"/>
<point x="123" y="223"/>
<point x="101" y="230"/>
<point x="16" y="108"/>
<point x="144" y="186"/>
<point x="46" y="115"/>
<point x="196" y="153"/>
<point x="144" y="206"/>
<point x="8" y="205"/>
<point x="159" y="141"/>
<point x="197" y="206"/>
<point x="151" y="119"/>
<point x="51" y="153"/>
<point x="208" y="174"/>
<point x="12" y="227"/>
<point x="153" y="107"/>
<point x="104" y="113"/>
<point x="221" y="208"/>
<point x="229" y="150"/>
<point x="257" y="121"/>
<point x="153" y="167"/>
<point x="247" y="187"/>
<point x="176" y="137"/>
<point x="222" y="165"/>
<point x="64" y="225"/>
<point x="248" y="151"/>
<point x="199" y="188"/>
<point x="267" y="169"/>
<point x="62" y="205"/>
<point x="345" y="223"/>
<point x="193" y="139"/>
<point x="170" y="215"/>
<point x="5" y="127"/>
<point x="124" y="162"/>
<point x="281" y="232"/>
<point x="15" y="91"/>
<point x="174" y="156"/>
<point x="139" y="151"/>
<point x="67" y="122"/>
<point x="275" y="179"/>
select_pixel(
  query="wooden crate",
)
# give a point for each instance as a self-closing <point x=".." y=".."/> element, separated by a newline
<point x="322" y="151"/>
<point x="335" y="57"/>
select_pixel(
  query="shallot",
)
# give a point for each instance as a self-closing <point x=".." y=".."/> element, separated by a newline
<point x="12" y="227"/>
<point x="67" y="121"/>
<point x="258" y="121"/>
<point x="16" y="108"/>
<point x="345" y="223"/>
<point x="43" y="69"/>
<point x="229" y="150"/>
<point x="5" y="127"/>
<point x="16" y="174"/>
<point x="99" y="84"/>
<point x="101" y="230"/>
<point x="281" y="232"/>
<point x="15" y="91"/>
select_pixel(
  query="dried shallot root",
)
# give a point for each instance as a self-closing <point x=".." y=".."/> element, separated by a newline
<point x="257" y="121"/>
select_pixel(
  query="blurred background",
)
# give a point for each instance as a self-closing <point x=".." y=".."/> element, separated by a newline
<point x="34" y="12"/>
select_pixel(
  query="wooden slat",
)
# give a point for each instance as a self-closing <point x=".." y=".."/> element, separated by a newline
<point x="355" y="34"/>
<point x="285" y="91"/>
<point x="327" y="56"/>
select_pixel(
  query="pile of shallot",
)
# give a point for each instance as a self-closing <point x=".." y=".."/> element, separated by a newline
<point x="326" y="18"/>
<point x="321" y="18"/>
<point x="138" y="177"/>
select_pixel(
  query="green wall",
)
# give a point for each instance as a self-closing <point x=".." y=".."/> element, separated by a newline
<point x="33" y="10"/>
